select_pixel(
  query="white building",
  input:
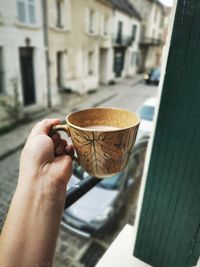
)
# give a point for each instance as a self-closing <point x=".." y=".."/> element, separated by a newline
<point x="152" y="31"/>
<point x="126" y="35"/>
<point x="22" y="53"/>
<point x="83" y="47"/>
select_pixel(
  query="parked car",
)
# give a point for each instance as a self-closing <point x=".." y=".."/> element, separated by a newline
<point x="96" y="210"/>
<point x="146" y="113"/>
<point x="152" y="77"/>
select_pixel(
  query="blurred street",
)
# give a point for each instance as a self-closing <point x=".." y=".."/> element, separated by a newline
<point x="72" y="250"/>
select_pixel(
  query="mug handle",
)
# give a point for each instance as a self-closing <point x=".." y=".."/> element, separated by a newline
<point x="64" y="128"/>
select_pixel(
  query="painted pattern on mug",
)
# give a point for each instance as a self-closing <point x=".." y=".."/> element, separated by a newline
<point x="103" y="153"/>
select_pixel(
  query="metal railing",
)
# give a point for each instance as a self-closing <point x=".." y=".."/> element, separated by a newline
<point x="151" y="41"/>
<point x="123" y="40"/>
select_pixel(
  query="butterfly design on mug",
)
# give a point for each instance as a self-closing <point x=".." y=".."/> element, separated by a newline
<point x="102" y="152"/>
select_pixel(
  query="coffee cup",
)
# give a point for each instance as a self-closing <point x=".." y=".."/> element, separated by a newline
<point x="103" y="138"/>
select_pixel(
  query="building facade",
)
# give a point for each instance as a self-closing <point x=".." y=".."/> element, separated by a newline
<point x="22" y="53"/>
<point x="79" y="45"/>
<point x="53" y="46"/>
<point x="125" y="34"/>
<point x="90" y="42"/>
<point x="152" y="32"/>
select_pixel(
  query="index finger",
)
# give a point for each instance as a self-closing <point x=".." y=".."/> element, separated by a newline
<point x="44" y="126"/>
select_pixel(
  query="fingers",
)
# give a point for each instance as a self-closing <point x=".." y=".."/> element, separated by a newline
<point x="60" y="149"/>
<point x="61" y="146"/>
<point x="44" y="127"/>
<point x="56" y="139"/>
<point x="69" y="150"/>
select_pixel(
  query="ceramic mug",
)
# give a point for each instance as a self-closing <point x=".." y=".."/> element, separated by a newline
<point x="102" y="137"/>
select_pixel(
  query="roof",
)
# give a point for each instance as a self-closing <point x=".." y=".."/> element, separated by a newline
<point x="127" y="7"/>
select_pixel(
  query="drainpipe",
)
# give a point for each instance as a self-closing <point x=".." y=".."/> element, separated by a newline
<point x="46" y="45"/>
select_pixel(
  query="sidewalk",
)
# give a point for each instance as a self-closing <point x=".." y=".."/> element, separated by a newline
<point x="14" y="140"/>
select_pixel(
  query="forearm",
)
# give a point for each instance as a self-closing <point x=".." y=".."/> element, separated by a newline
<point x="30" y="231"/>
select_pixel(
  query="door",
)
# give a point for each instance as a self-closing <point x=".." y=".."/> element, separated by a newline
<point x="103" y="67"/>
<point x="27" y="75"/>
<point x="119" y="61"/>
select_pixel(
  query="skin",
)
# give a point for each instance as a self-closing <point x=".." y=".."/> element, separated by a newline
<point x="31" y="228"/>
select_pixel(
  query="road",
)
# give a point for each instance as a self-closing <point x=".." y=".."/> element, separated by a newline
<point x="72" y="250"/>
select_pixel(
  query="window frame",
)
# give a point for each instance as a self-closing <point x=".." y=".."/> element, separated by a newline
<point x="27" y="20"/>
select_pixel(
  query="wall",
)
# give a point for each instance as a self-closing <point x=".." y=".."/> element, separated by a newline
<point x="14" y="35"/>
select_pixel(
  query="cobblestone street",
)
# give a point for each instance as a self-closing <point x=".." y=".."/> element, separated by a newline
<point x="73" y="250"/>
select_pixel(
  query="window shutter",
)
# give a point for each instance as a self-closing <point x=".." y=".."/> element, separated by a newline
<point x="169" y="228"/>
<point x="87" y="14"/>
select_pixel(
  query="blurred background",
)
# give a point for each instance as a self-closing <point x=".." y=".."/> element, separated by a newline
<point x="59" y="56"/>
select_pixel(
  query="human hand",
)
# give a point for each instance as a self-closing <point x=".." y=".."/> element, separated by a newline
<point x="31" y="228"/>
<point x="44" y="165"/>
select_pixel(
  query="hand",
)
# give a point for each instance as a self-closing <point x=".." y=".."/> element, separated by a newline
<point x="29" y="235"/>
<point x="44" y="165"/>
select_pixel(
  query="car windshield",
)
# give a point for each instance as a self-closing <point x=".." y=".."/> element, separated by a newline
<point x="112" y="183"/>
<point x="155" y="73"/>
<point x="147" y="113"/>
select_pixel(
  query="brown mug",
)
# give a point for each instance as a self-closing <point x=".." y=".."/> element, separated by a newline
<point x="103" y="138"/>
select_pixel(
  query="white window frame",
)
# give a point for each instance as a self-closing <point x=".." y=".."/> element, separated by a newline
<point x="27" y="14"/>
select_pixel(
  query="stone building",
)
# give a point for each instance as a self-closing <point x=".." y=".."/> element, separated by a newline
<point x="80" y="45"/>
<point x="22" y="54"/>
<point x="152" y="32"/>
<point x="126" y="34"/>
<point x="90" y="42"/>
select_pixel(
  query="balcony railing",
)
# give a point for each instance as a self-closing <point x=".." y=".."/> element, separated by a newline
<point x="122" y="40"/>
<point x="148" y="41"/>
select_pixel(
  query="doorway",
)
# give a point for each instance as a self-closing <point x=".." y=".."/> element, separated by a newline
<point x="103" y="65"/>
<point x="27" y="75"/>
<point x="119" y="61"/>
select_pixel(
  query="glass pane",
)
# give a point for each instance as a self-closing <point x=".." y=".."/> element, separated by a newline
<point x="31" y="11"/>
<point x="147" y="113"/>
<point x="21" y="12"/>
<point x="1" y="71"/>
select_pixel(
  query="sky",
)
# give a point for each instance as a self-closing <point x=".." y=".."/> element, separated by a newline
<point x="167" y="2"/>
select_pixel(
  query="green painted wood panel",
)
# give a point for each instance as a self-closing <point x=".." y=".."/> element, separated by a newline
<point x="169" y="227"/>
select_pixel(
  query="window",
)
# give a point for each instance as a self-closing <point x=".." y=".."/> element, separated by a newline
<point x="61" y="58"/>
<point x="91" y="21"/>
<point x="91" y="63"/>
<point x="105" y="26"/>
<point x="59" y="13"/>
<point x="155" y="15"/>
<point x="133" y="59"/>
<point x="62" y="14"/>
<point x="119" y="32"/>
<point x="26" y="11"/>
<point x="161" y="22"/>
<point x="134" y="32"/>
<point x="1" y="71"/>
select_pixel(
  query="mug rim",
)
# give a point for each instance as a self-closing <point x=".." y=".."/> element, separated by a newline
<point x="98" y="130"/>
